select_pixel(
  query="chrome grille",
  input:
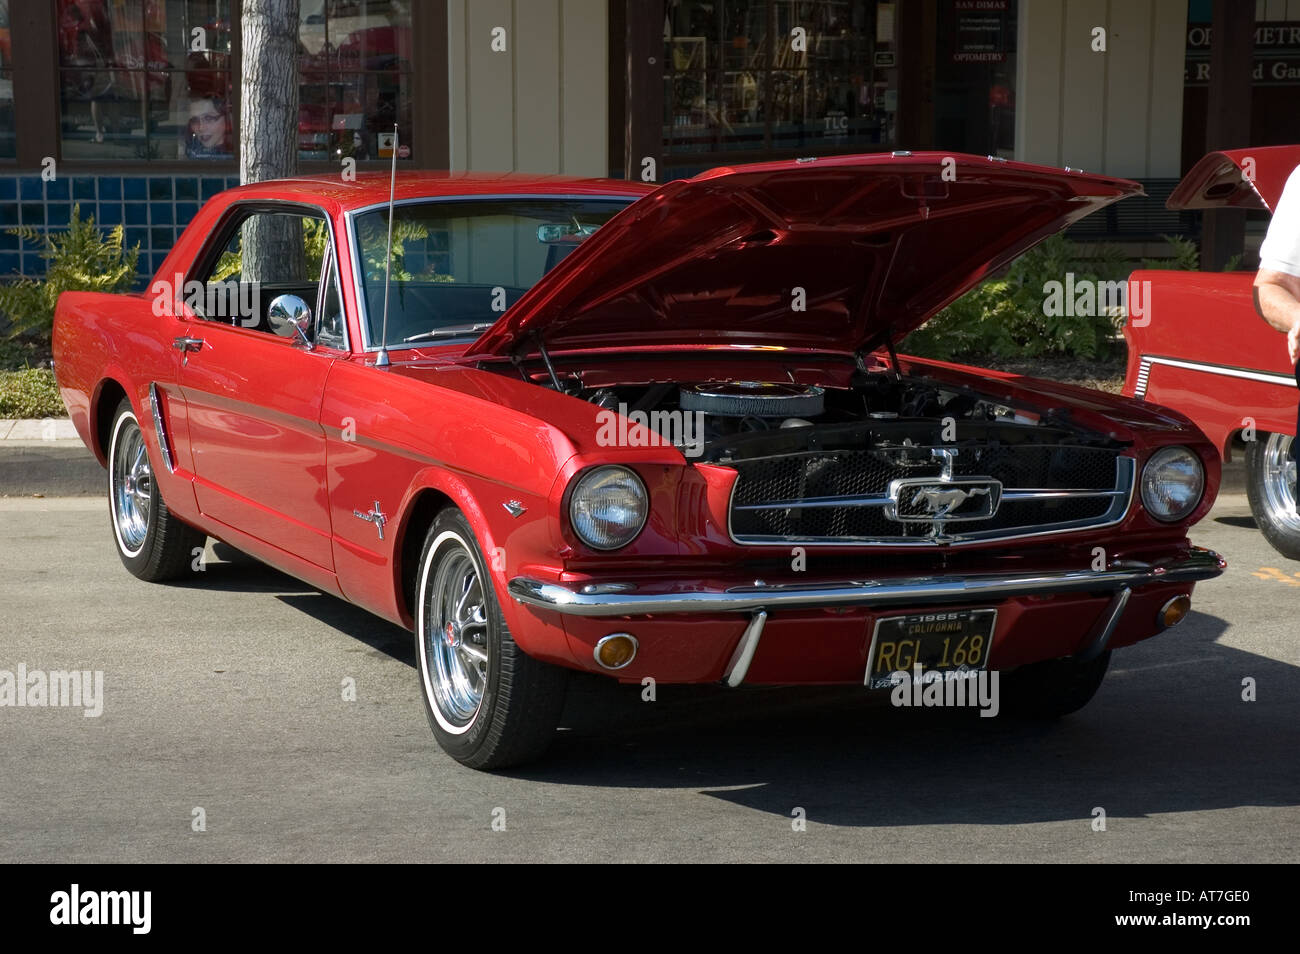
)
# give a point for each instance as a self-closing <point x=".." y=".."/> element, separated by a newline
<point x="842" y="496"/>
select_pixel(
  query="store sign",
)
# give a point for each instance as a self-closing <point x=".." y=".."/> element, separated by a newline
<point x="979" y="31"/>
<point x="1276" y="60"/>
<point x="836" y="125"/>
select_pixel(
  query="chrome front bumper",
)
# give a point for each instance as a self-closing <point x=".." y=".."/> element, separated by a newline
<point x="622" y="599"/>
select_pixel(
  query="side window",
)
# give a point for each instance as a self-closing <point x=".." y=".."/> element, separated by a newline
<point x="265" y="255"/>
<point x="329" y="313"/>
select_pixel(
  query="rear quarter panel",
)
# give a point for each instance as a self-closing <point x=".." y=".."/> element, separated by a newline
<point x="107" y="341"/>
<point x="104" y="340"/>
<point x="1208" y="319"/>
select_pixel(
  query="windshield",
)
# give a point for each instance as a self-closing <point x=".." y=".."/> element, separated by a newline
<point x="457" y="265"/>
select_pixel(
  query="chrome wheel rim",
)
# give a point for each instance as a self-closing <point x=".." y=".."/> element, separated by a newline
<point x="454" y="636"/>
<point x="132" y="490"/>
<point x="1279" y="479"/>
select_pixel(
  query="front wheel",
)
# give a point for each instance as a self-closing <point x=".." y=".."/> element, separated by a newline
<point x="152" y="543"/>
<point x="489" y="704"/>
<point x="1271" y="489"/>
<point x="1052" y="689"/>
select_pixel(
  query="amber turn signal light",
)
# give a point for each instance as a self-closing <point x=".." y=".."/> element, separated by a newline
<point x="616" y="650"/>
<point x="1174" y="611"/>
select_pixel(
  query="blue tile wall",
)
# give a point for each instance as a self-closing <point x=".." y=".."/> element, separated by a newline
<point x="153" y="209"/>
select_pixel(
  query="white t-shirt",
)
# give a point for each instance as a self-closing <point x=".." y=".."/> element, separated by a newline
<point x="1281" y="249"/>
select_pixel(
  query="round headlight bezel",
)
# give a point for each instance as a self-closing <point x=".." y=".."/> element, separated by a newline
<point x="1162" y="458"/>
<point x="589" y="478"/>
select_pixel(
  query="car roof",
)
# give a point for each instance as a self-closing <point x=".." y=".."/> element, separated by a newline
<point x="372" y="188"/>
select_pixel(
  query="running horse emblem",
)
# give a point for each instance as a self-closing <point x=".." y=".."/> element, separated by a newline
<point x="941" y="501"/>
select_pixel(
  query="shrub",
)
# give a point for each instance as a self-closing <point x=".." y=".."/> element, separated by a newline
<point x="1005" y="316"/>
<point x="80" y="259"/>
<point x="30" y="393"/>
<point x="1186" y="257"/>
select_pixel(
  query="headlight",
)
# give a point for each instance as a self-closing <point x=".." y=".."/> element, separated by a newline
<point x="1172" y="482"/>
<point x="608" y="507"/>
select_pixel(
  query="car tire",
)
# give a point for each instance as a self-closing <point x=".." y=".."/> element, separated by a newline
<point x="153" y="544"/>
<point x="1271" y="489"/>
<point x="1052" y="689"/>
<point x="489" y="704"/>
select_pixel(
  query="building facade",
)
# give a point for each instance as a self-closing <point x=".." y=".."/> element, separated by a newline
<point x="130" y="109"/>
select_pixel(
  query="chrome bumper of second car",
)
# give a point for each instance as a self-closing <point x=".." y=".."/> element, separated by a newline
<point x="622" y="599"/>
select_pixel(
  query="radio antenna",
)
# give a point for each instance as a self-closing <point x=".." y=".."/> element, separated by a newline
<point x="381" y="359"/>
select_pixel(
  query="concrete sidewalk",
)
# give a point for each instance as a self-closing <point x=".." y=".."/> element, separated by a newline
<point x="46" y="458"/>
<point x="43" y="431"/>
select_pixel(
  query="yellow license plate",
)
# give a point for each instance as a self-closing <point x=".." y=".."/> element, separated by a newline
<point x="943" y="641"/>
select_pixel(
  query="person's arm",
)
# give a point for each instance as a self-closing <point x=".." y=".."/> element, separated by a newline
<point x="1277" y="299"/>
<point x="1277" y="285"/>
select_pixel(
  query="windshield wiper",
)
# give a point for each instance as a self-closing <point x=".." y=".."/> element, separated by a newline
<point x="454" y="331"/>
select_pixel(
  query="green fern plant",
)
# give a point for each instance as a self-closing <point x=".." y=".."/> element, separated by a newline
<point x="80" y="259"/>
<point x="1005" y="316"/>
<point x="374" y="244"/>
<point x="1186" y="257"/>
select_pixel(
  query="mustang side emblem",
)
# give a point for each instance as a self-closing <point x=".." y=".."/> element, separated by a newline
<point x="941" y="501"/>
<point x="375" y="516"/>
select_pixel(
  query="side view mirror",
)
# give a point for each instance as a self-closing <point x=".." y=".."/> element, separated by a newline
<point x="289" y="317"/>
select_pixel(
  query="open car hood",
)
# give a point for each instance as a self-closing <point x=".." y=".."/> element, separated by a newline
<point x="870" y="246"/>
<point x="1237" y="179"/>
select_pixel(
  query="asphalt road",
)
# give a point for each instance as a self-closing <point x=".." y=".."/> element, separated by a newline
<point x="225" y="695"/>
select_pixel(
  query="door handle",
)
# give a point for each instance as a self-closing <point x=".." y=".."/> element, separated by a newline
<point x="186" y="344"/>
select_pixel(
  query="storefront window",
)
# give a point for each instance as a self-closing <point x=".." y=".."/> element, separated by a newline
<point x="1274" y="75"/>
<point x="975" y="77"/>
<point x="355" y="73"/>
<point x="6" y="86"/>
<point x="797" y="75"/>
<point x="145" y="79"/>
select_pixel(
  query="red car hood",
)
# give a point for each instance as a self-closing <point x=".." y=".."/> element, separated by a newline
<point x="871" y="246"/>
<point x="1237" y="178"/>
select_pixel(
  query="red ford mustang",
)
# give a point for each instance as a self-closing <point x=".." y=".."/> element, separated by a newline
<point x="1203" y="349"/>
<point x="655" y="433"/>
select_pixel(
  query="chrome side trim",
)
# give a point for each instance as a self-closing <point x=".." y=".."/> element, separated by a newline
<point x="1143" y="377"/>
<point x="1121" y="498"/>
<point x="1225" y="370"/>
<point x="1105" y="627"/>
<point x="156" y="409"/>
<point x="738" y="667"/>
<point x="330" y="272"/>
<point x="1196" y="564"/>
